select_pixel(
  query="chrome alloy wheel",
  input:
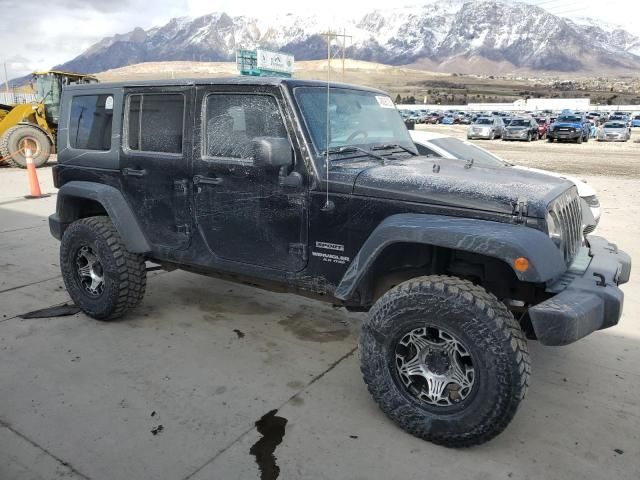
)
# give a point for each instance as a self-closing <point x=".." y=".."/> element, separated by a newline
<point x="434" y="366"/>
<point x="89" y="271"/>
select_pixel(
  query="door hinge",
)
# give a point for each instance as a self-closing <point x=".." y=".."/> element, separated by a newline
<point x="185" y="229"/>
<point x="520" y="211"/>
<point x="181" y="187"/>
<point x="299" y="249"/>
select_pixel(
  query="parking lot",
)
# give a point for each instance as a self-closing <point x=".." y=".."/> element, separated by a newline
<point x="173" y="390"/>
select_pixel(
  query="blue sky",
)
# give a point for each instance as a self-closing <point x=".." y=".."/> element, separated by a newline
<point x="34" y="40"/>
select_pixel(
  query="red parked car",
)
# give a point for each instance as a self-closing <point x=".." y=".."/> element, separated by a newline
<point x="543" y="127"/>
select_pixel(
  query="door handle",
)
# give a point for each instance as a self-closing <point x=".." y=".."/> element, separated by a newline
<point x="131" y="172"/>
<point x="198" y="179"/>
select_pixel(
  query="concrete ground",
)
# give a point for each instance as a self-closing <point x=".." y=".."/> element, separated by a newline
<point x="173" y="391"/>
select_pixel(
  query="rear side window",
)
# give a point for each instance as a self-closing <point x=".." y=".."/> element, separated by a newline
<point x="233" y="121"/>
<point x="90" y="122"/>
<point x="155" y="122"/>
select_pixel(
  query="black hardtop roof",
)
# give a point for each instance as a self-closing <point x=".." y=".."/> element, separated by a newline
<point x="237" y="80"/>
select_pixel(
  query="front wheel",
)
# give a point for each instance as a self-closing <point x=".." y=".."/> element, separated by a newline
<point x="445" y="360"/>
<point x="15" y="139"/>
<point x="102" y="277"/>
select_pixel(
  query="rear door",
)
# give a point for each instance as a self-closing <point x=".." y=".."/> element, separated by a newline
<point x="246" y="213"/>
<point x="156" y="162"/>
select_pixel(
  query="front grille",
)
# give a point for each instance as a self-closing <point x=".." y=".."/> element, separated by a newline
<point x="567" y="212"/>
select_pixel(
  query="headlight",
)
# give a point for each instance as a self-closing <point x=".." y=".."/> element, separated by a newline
<point x="553" y="228"/>
<point x="592" y="201"/>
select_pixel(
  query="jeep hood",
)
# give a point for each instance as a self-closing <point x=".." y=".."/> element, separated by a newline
<point x="457" y="184"/>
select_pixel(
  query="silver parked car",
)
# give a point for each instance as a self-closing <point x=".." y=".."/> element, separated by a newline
<point x="486" y="127"/>
<point x="614" y="131"/>
<point x="524" y="129"/>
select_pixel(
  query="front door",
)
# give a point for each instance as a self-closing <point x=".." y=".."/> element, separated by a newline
<point x="247" y="213"/>
<point x="156" y="163"/>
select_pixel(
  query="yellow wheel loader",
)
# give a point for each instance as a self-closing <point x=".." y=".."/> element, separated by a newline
<point x="34" y="125"/>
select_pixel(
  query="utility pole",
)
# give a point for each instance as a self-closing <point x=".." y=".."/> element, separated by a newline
<point x="329" y="35"/>
<point x="344" y="47"/>
<point x="6" y="78"/>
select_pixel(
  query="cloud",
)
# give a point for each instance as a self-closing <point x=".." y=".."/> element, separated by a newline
<point x="47" y="36"/>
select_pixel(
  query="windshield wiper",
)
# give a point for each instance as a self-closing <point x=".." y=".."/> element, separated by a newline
<point x="352" y="149"/>
<point x="390" y="146"/>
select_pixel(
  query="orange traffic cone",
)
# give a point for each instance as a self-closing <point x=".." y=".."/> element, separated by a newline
<point x="34" y="186"/>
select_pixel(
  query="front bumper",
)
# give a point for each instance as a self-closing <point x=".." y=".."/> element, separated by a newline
<point x="611" y="139"/>
<point x="587" y="297"/>
<point x="507" y="135"/>
<point x="564" y="134"/>
<point x="482" y="134"/>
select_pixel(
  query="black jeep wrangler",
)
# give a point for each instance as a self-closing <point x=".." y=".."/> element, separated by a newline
<point x="315" y="189"/>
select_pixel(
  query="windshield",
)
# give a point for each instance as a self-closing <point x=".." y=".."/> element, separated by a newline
<point x="569" y="119"/>
<point x="519" y="123"/>
<point x="356" y="117"/>
<point x="48" y="89"/>
<point x="541" y="121"/>
<point x="483" y="121"/>
<point x="467" y="151"/>
<point x="615" y="125"/>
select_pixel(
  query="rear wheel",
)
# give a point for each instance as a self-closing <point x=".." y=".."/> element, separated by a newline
<point x="445" y="360"/>
<point x="102" y="277"/>
<point x="16" y="138"/>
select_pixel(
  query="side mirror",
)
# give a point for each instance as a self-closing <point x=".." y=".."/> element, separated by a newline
<point x="272" y="152"/>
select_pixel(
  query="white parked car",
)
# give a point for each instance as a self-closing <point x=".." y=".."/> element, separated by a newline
<point x="444" y="146"/>
<point x="614" y="131"/>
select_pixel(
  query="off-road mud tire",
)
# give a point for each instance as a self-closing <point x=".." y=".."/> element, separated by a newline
<point x="11" y="143"/>
<point x="489" y="332"/>
<point x="125" y="276"/>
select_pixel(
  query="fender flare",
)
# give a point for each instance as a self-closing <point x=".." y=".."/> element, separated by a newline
<point x="111" y="200"/>
<point x="503" y="241"/>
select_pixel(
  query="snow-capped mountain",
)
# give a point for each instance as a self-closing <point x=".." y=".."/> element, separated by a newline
<point x="454" y="35"/>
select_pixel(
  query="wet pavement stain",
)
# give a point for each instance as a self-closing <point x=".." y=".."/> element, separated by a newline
<point x="272" y="429"/>
<point x="313" y="326"/>
<point x="213" y="302"/>
<point x="296" y="401"/>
